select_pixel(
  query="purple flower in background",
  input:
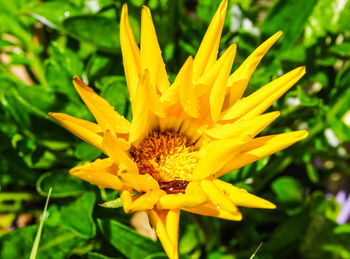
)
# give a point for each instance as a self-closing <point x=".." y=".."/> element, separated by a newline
<point x="344" y="201"/>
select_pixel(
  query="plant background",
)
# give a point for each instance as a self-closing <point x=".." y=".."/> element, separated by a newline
<point x="43" y="44"/>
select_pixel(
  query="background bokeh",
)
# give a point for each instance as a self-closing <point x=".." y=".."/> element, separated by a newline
<point x="43" y="44"/>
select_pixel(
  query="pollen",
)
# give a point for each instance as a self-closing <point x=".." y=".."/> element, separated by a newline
<point x="168" y="156"/>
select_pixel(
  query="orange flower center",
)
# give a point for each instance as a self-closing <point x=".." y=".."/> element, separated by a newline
<point x="169" y="157"/>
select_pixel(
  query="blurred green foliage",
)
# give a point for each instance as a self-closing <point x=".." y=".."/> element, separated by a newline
<point x="43" y="44"/>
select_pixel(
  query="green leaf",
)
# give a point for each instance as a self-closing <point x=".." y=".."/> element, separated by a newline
<point x="55" y="243"/>
<point x="126" y="240"/>
<point x="117" y="203"/>
<point x="51" y="13"/>
<point x="115" y="91"/>
<point x="287" y="189"/>
<point x="62" y="183"/>
<point x="290" y="16"/>
<point x="343" y="77"/>
<point x="100" y="31"/>
<point x="93" y="255"/>
<point x="76" y="215"/>
<point x="342" y="49"/>
<point x="86" y="152"/>
<point x="306" y="99"/>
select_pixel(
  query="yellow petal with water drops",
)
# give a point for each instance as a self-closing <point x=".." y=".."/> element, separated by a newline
<point x="86" y="130"/>
<point x="104" y="113"/>
<point x="250" y="127"/>
<point x="261" y="147"/>
<point x="242" y="197"/>
<point x="140" y="110"/>
<point x="115" y="151"/>
<point x="130" y="53"/>
<point x="216" y="196"/>
<point x="218" y="92"/>
<point x="208" y="49"/>
<point x="239" y="79"/>
<point x="265" y="104"/>
<point x="194" y="196"/>
<point x="166" y="224"/>
<point x="209" y="209"/>
<point x="151" y="54"/>
<point x="174" y="201"/>
<point x="188" y="98"/>
<point x="139" y="182"/>
<point x="146" y="201"/>
<point x="264" y="97"/>
<point x="214" y="155"/>
<point x="101" y="172"/>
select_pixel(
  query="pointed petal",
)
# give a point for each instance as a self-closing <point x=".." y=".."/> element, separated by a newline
<point x="259" y="101"/>
<point x="241" y="197"/>
<point x="86" y="130"/>
<point x="139" y="182"/>
<point x="166" y="224"/>
<point x="104" y="113"/>
<point x="216" y="196"/>
<point x="208" y="50"/>
<point x="218" y="92"/>
<point x="101" y="172"/>
<point x="239" y="79"/>
<point x="156" y="106"/>
<point x="210" y="162"/>
<point x="119" y="156"/>
<point x="261" y="147"/>
<point x="151" y="55"/>
<point x="146" y="201"/>
<point x="140" y="110"/>
<point x="130" y="53"/>
<point x="209" y="209"/>
<point x="251" y="127"/>
<point x="188" y="98"/>
<point x="208" y="79"/>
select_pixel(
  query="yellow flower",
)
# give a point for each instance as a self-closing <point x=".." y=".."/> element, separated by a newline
<point x="183" y="135"/>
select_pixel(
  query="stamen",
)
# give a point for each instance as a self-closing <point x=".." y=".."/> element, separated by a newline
<point x="169" y="157"/>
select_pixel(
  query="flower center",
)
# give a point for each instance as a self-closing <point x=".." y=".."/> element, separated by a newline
<point x="169" y="158"/>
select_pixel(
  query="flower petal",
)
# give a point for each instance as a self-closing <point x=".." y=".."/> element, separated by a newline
<point x="262" y="147"/>
<point x="188" y="98"/>
<point x="241" y="197"/>
<point x="209" y="209"/>
<point x="210" y="162"/>
<point x="208" y="50"/>
<point x="218" y="92"/>
<point x="146" y="201"/>
<point x="114" y="150"/>
<point x="259" y="101"/>
<point x="151" y="55"/>
<point x="140" y="110"/>
<point x="166" y="224"/>
<point x="239" y="79"/>
<point x="139" y="182"/>
<point x="251" y="127"/>
<point x="216" y="196"/>
<point x="86" y="130"/>
<point x="104" y="113"/>
<point x="101" y="172"/>
<point x="130" y="53"/>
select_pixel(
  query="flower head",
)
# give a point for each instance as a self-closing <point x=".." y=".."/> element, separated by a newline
<point x="183" y="135"/>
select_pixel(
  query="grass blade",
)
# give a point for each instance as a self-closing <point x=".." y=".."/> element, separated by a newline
<point x="40" y="229"/>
